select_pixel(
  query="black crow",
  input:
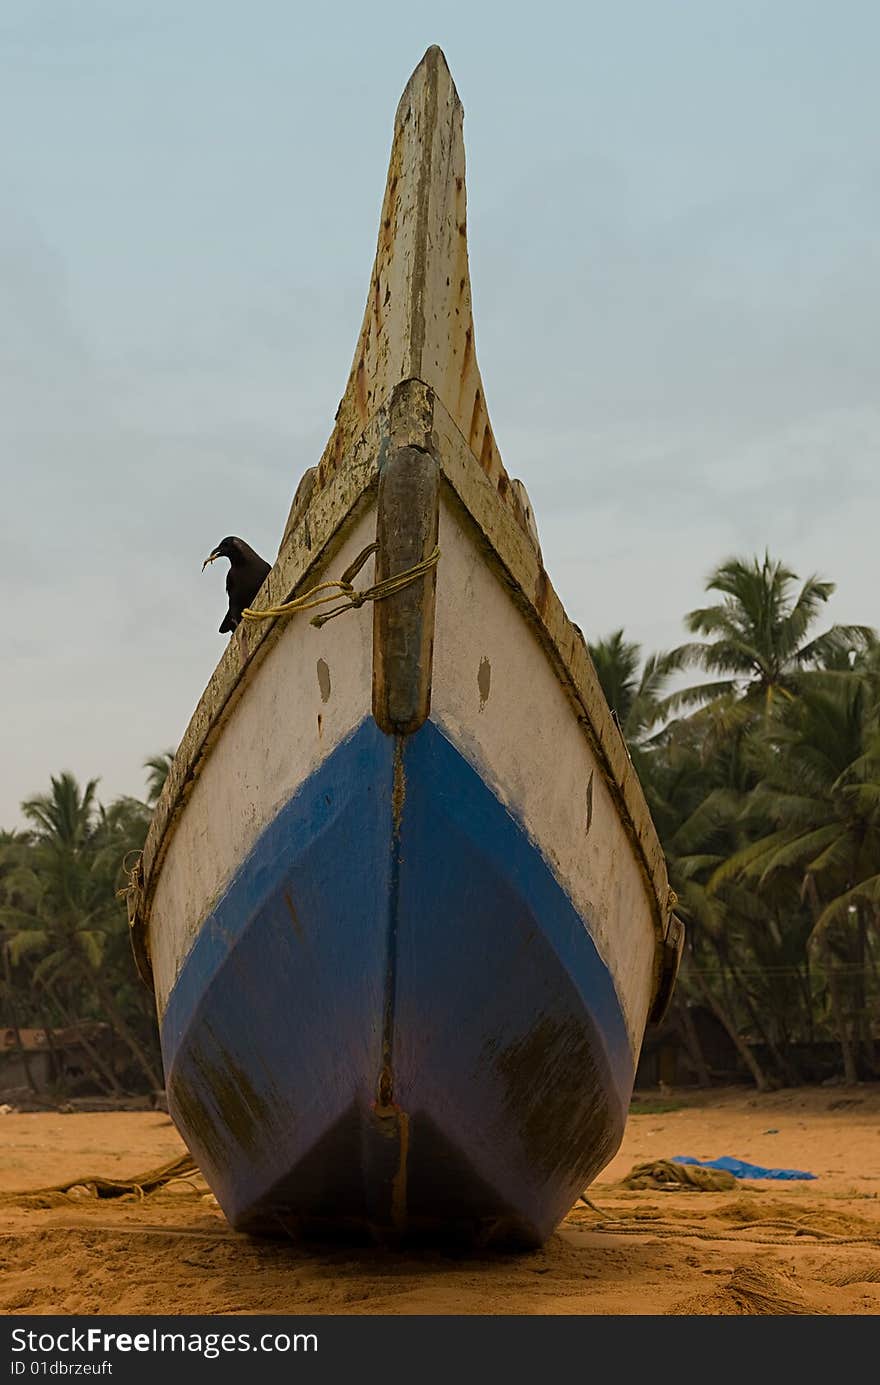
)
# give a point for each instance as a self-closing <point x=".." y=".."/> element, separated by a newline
<point x="247" y="573"/>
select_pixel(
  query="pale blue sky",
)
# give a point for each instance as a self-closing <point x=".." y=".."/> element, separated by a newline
<point x="673" y="217"/>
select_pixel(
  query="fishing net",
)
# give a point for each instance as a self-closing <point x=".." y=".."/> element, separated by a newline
<point x="666" y="1176"/>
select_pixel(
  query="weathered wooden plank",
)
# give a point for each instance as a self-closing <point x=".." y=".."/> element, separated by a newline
<point x="418" y="321"/>
<point x="403" y="624"/>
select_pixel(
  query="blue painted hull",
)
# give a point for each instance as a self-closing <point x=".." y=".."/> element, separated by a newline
<point x="395" y="1018"/>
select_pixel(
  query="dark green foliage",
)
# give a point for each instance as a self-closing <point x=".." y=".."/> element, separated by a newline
<point x="64" y="930"/>
<point x="766" y="796"/>
<point x="767" y="802"/>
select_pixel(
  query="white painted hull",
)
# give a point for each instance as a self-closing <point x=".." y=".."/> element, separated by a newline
<point x="402" y="903"/>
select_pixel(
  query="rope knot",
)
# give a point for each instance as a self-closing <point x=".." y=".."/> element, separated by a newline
<point x="132" y="890"/>
<point x="353" y="599"/>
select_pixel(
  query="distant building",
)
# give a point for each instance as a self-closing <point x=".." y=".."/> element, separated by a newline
<point x="666" y="1057"/>
<point x="41" y="1059"/>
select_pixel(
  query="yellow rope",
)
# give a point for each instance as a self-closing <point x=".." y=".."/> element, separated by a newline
<point x="353" y="599"/>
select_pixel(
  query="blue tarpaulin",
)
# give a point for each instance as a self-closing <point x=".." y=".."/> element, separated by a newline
<point x="740" y="1169"/>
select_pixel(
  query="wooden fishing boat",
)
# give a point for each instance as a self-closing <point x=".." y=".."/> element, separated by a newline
<point x="402" y="903"/>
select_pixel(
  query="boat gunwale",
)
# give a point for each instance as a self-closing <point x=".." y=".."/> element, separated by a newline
<point x="415" y="415"/>
<point x="305" y="550"/>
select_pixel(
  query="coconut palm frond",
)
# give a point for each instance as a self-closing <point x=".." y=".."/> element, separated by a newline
<point x="25" y="942"/>
<point x="717" y="812"/>
<point x="692" y="867"/>
<point x="695" y="696"/>
<point x="91" y="942"/>
<point x="800" y="849"/>
<point x="793" y="809"/>
<point x="840" y="643"/>
<point x="749" y="860"/>
<point x="838" y="910"/>
<point x="157" y="767"/>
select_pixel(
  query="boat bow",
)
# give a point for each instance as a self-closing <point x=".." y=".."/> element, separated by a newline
<point x="398" y="852"/>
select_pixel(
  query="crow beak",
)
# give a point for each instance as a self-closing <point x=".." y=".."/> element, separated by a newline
<point x="210" y="558"/>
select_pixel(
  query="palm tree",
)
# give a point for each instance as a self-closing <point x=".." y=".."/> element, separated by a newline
<point x="758" y="637"/>
<point x="638" y="699"/>
<point x="817" y="806"/>
<point x="64" y="918"/>
<point x="696" y="802"/>
<point x="11" y="846"/>
<point x="66" y="815"/>
<point x="157" y="767"/>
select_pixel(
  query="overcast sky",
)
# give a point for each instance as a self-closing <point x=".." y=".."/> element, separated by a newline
<point x="673" y="219"/>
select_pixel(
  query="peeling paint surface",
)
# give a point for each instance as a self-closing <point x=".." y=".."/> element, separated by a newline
<point x="418" y="321"/>
<point x="267" y="748"/>
<point x="484" y="681"/>
<point x="428" y="1033"/>
<point x="531" y="748"/>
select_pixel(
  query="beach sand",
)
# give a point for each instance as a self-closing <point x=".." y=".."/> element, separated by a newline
<point x="766" y="1247"/>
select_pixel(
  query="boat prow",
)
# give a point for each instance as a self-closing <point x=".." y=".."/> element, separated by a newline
<point x="402" y="903"/>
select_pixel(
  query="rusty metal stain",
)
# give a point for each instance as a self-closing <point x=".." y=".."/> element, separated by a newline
<point x="377" y="302"/>
<point x="324" y="679"/>
<point x="361" y="390"/>
<point x="475" y="418"/>
<point x="484" y="681"/>
<point x="398" y="791"/>
<point x="398" y="1184"/>
<point x="294" y="917"/>
<point x="486" y="449"/>
<point x="385" y="1093"/>
<point x="467" y="353"/>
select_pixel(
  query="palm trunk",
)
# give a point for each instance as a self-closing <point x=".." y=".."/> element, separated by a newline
<point x="810" y="890"/>
<point x="741" y="1046"/>
<point x="869" y="948"/>
<point x="13" y="1015"/>
<point x="50" y="1042"/>
<point x="122" y="1029"/>
<point x="864" y="1013"/>
<point x="806" y="981"/>
<point x="692" y="1042"/>
<point x="101" y="1068"/>
<point x="850" y="1072"/>
<point x="782" y="1063"/>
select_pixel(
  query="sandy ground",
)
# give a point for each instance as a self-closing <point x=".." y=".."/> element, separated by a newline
<point x="803" y="1247"/>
